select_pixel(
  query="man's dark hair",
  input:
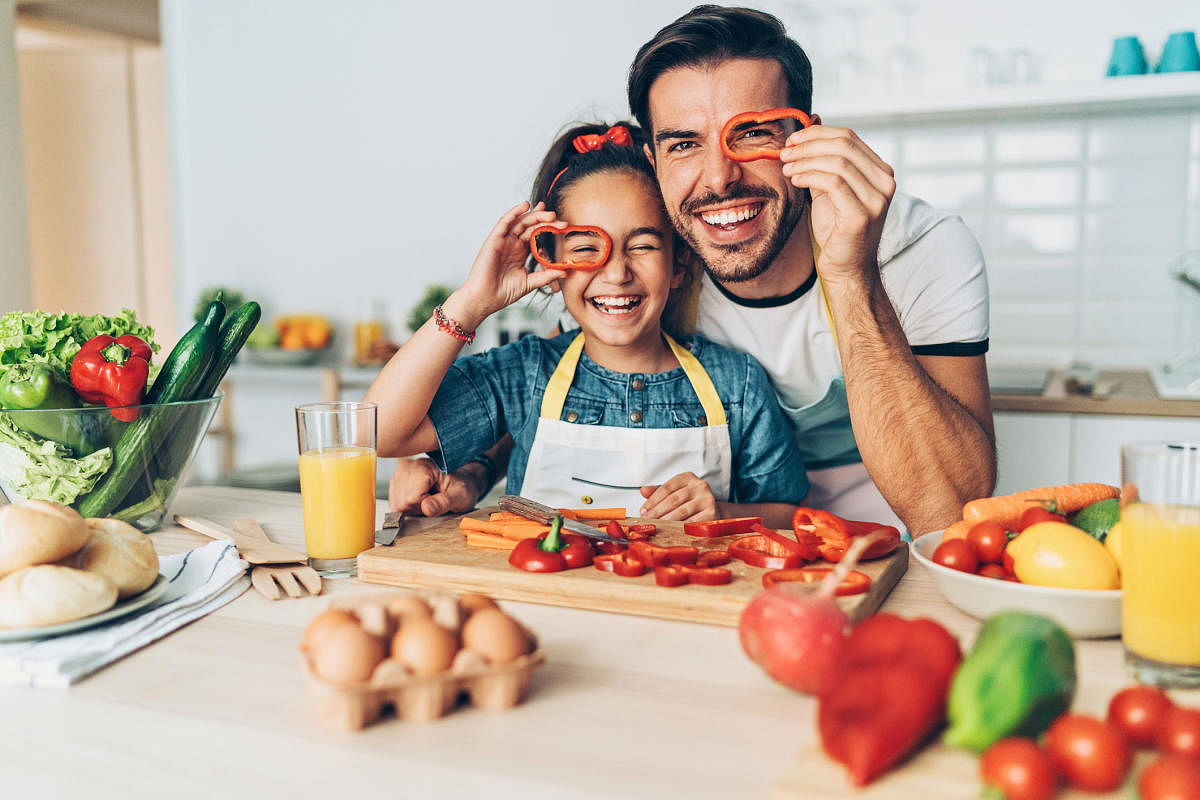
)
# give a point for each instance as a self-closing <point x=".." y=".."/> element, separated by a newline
<point x="708" y="35"/>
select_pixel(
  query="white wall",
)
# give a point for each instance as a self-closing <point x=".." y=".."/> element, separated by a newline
<point x="17" y="291"/>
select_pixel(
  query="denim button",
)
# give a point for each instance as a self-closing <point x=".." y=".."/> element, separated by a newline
<point x="635" y="416"/>
<point x="638" y="384"/>
<point x="572" y="416"/>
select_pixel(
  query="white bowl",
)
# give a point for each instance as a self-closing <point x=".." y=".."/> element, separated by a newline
<point x="1083" y="613"/>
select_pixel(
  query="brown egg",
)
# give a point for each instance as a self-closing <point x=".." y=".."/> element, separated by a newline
<point x="323" y="623"/>
<point x="347" y="655"/>
<point x="495" y="636"/>
<point x="408" y="605"/>
<point x="470" y="603"/>
<point x="424" y="646"/>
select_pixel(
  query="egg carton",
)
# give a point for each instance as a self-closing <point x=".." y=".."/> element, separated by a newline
<point x="420" y="698"/>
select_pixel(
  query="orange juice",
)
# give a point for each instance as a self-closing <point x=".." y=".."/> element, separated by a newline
<point x="366" y="332"/>
<point x="1161" y="561"/>
<point x="337" y="489"/>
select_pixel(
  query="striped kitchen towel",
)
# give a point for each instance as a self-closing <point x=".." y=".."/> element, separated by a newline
<point x="196" y="582"/>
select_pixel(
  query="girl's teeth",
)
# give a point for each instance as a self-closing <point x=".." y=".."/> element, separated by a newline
<point x="731" y="216"/>
<point x="616" y="305"/>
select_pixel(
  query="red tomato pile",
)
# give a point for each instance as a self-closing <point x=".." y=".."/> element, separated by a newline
<point x="1095" y="755"/>
<point x="983" y="550"/>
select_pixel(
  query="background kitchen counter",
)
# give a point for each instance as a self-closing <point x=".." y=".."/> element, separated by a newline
<point x="1133" y="394"/>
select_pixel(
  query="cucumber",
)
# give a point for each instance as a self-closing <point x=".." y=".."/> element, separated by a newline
<point x="235" y="330"/>
<point x="180" y="376"/>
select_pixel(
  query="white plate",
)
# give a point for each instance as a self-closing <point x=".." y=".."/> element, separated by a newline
<point x="1083" y="613"/>
<point x="126" y="606"/>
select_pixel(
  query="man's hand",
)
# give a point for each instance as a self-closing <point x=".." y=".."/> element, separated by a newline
<point x="418" y="486"/>
<point x="684" y="497"/>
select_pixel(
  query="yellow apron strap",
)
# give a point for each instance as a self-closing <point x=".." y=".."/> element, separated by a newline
<point x="714" y="412"/>
<point x="561" y="380"/>
<point x="816" y="254"/>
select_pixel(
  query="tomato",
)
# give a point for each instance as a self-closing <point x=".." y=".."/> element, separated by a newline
<point x="993" y="571"/>
<point x="1170" y="777"/>
<point x="1090" y="753"/>
<point x="1037" y="514"/>
<point x="956" y="554"/>
<point x="988" y="538"/>
<point x="1139" y="712"/>
<point x="1180" y="733"/>
<point x="1019" y="769"/>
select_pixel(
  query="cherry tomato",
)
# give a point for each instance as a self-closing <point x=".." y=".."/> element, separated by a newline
<point x="1139" y="712"/>
<point x="1037" y="514"/>
<point x="1019" y="769"/>
<point x="1090" y="753"/>
<point x="1170" y="777"/>
<point x="1180" y="733"/>
<point x="1006" y="561"/>
<point x="993" y="571"/>
<point x="956" y="554"/>
<point x="989" y="539"/>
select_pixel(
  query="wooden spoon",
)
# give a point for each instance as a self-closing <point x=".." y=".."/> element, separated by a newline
<point x="269" y="580"/>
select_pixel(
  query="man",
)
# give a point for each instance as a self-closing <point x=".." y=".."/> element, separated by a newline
<point x="868" y="309"/>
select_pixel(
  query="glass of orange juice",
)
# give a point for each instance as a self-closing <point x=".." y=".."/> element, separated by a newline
<point x="337" y="483"/>
<point x="1160" y="563"/>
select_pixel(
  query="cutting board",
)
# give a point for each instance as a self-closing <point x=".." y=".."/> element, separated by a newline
<point x="438" y="557"/>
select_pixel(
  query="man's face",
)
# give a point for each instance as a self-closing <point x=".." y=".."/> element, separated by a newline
<point x="736" y="216"/>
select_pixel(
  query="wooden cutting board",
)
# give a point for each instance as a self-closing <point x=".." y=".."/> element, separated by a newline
<point x="439" y="557"/>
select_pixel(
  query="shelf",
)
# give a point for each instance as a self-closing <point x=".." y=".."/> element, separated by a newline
<point x="1172" y="91"/>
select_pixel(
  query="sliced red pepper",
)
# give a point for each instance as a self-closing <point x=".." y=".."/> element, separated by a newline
<point x="769" y="549"/>
<point x="855" y="582"/>
<point x="621" y="563"/>
<point x="112" y="371"/>
<point x="721" y="527"/>
<point x="641" y="531"/>
<point x="836" y="534"/>
<point x="654" y="555"/>
<point x="749" y="119"/>
<point x="615" y="530"/>
<point x="713" y="558"/>
<point x="678" y="575"/>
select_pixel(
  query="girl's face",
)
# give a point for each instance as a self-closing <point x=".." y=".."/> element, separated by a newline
<point x="619" y="304"/>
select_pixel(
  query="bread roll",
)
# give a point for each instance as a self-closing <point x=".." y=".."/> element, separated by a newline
<point x="38" y="532"/>
<point x="47" y="594"/>
<point x="119" y="552"/>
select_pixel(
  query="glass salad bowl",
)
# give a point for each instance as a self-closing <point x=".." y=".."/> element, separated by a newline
<point x="100" y="465"/>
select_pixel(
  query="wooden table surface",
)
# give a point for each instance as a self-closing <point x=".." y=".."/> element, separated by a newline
<point x="624" y="707"/>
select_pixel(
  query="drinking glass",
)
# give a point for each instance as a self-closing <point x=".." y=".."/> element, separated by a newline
<point x="1160" y="569"/>
<point x="337" y="483"/>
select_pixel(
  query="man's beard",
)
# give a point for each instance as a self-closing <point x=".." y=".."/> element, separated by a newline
<point x="735" y="264"/>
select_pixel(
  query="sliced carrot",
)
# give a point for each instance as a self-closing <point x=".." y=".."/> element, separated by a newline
<point x="505" y="516"/>
<point x="516" y="531"/>
<point x="1065" y="499"/>
<point x="593" y="513"/>
<point x="489" y="542"/>
<point x="482" y="525"/>
<point x="957" y="531"/>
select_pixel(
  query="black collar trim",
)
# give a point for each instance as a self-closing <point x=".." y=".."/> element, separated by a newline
<point x="768" y="302"/>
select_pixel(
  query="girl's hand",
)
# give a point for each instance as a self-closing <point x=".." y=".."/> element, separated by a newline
<point x="684" y="497"/>
<point x="498" y="277"/>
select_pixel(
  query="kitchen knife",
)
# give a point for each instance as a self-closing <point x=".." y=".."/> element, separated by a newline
<point x="391" y="528"/>
<point x="539" y="513"/>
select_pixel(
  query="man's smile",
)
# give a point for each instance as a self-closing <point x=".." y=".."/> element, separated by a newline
<point x="730" y="216"/>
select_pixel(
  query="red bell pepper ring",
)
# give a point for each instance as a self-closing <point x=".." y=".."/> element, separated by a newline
<point x="747" y="128"/>
<point x="681" y="574"/>
<point x="621" y="563"/>
<point x="642" y="531"/>
<point x="112" y="371"/>
<point x="654" y="555"/>
<point x="553" y="551"/>
<point x="771" y="550"/>
<point x="836" y="534"/>
<point x="587" y="261"/>
<point x="615" y="530"/>
<point x="713" y="558"/>
<point x="854" y="583"/>
<point x="721" y="527"/>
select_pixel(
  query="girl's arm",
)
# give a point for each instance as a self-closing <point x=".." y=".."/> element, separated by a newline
<point x="688" y="498"/>
<point x="405" y="387"/>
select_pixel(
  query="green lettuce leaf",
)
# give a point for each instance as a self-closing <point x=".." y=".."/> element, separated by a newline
<point x="54" y="339"/>
<point x="39" y="469"/>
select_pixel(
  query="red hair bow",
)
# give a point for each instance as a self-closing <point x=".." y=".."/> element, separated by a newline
<point x="617" y="134"/>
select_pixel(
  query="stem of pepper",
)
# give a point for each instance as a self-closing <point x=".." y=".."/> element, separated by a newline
<point x="116" y="353"/>
<point x="553" y="543"/>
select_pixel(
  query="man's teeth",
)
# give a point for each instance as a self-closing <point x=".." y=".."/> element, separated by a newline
<point x="616" y="305"/>
<point x="730" y="216"/>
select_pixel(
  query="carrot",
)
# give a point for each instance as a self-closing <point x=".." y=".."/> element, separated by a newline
<point x="521" y="529"/>
<point x="489" y="541"/>
<point x="505" y="516"/>
<point x="593" y="513"/>
<point x="481" y="525"/>
<point x="1065" y="499"/>
<point x="958" y="530"/>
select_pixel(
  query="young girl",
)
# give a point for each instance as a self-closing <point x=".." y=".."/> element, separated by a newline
<point x="597" y="414"/>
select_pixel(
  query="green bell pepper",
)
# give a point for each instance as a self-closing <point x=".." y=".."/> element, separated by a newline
<point x="38" y="387"/>
<point x="1018" y="678"/>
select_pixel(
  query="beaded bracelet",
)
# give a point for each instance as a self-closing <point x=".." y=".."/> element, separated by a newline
<point x="451" y="326"/>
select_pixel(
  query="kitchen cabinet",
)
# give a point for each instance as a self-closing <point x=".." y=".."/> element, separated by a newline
<point x="1097" y="439"/>
<point x="1031" y="450"/>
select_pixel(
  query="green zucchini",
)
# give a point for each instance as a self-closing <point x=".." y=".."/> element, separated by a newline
<point x="235" y="330"/>
<point x="180" y="376"/>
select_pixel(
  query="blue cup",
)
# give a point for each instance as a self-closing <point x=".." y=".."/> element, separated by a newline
<point x="1179" y="53"/>
<point x="1128" y="58"/>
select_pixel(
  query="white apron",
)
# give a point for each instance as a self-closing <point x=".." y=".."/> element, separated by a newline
<point x="573" y="466"/>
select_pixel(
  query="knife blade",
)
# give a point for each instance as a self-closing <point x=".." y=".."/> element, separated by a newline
<point x="537" y="512"/>
<point x="391" y="528"/>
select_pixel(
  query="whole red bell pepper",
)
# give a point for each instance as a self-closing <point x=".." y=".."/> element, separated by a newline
<point x="112" y="371"/>
<point x="835" y="534"/>
<point x="721" y="527"/>
<point x="890" y="695"/>
<point x="553" y="551"/>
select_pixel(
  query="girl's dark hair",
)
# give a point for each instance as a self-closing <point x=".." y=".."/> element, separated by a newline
<point x="708" y="35"/>
<point x="564" y="165"/>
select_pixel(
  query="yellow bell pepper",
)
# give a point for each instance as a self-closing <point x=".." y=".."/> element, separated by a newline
<point x="1061" y="555"/>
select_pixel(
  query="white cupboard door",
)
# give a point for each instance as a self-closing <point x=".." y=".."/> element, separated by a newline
<point x="1098" y="439"/>
<point x="1033" y="450"/>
